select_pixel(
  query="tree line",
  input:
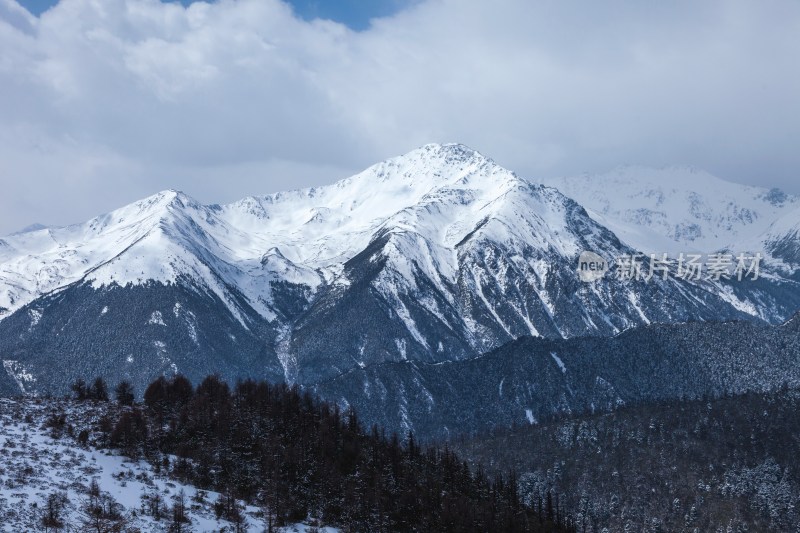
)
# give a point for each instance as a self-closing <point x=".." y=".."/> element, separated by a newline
<point x="299" y="458"/>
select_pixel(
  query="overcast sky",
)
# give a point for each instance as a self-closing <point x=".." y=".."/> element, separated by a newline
<point x="103" y="102"/>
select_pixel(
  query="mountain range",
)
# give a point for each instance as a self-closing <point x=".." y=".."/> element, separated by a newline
<point x="533" y="379"/>
<point x="436" y="256"/>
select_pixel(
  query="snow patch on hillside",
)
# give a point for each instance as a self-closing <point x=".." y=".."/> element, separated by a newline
<point x="156" y="319"/>
<point x="38" y="462"/>
<point x="559" y="362"/>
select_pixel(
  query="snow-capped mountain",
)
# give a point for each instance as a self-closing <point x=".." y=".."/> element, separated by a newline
<point x="436" y="255"/>
<point x="781" y="240"/>
<point x="683" y="209"/>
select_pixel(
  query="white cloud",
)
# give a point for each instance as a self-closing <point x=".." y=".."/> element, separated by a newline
<point x="105" y="102"/>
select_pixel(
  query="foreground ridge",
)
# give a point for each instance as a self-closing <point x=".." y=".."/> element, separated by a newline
<point x="255" y="456"/>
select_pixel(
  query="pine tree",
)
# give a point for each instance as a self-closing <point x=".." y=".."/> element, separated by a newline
<point x="80" y="389"/>
<point x="298" y="457"/>
<point x="124" y="393"/>
<point x="98" y="391"/>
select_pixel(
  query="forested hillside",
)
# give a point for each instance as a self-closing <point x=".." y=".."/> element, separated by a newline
<point x="299" y="458"/>
<point x="727" y="464"/>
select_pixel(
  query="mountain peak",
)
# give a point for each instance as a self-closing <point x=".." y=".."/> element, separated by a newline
<point x="427" y="168"/>
<point x="164" y="204"/>
<point x="167" y="198"/>
<point x="452" y="149"/>
<point x="28" y="229"/>
<point x="447" y="154"/>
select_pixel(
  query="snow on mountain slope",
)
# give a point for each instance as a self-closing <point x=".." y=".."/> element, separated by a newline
<point x="438" y="254"/>
<point x="441" y="192"/>
<point x="303" y="236"/>
<point x="323" y="227"/>
<point x="298" y="235"/>
<point x="782" y="240"/>
<point x="480" y="260"/>
<point x="678" y="209"/>
<point x="160" y="238"/>
<point x="39" y="463"/>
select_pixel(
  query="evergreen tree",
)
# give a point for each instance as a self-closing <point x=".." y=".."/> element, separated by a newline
<point x="297" y="457"/>
<point x="124" y="393"/>
<point x="98" y="391"/>
<point x="80" y="389"/>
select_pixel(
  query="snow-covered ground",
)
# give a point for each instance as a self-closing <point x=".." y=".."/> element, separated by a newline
<point x="36" y="462"/>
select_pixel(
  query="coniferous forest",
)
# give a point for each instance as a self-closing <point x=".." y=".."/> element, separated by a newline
<point x="298" y="458"/>
<point x="725" y="464"/>
<point x="256" y="456"/>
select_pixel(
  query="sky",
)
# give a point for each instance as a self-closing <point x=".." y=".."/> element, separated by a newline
<point x="103" y="102"/>
<point x="355" y="14"/>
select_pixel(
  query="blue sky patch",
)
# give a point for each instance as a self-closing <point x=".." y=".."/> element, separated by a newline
<point x="356" y="14"/>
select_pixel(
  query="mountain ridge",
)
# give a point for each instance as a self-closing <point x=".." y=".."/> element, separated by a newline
<point x="531" y="379"/>
<point x="437" y="255"/>
<point x="679" y="208"/>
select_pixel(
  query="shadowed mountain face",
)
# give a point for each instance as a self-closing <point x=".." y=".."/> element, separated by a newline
<point x="438" y="255"/>
<point x="132" y="333"/>
<point x="532" y="379"/>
